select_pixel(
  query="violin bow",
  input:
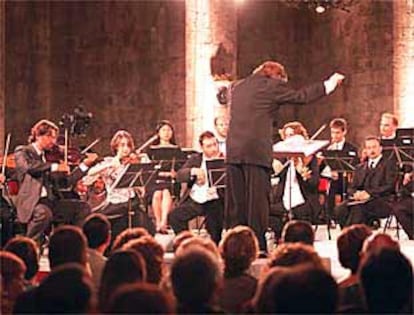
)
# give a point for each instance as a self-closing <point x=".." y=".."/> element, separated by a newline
<point x="90" y="146"/>
<point x="318" y="132"/>
<point x="6" y="152"/>
<point x="146" y="143"/>
<point x="66" y="146"/>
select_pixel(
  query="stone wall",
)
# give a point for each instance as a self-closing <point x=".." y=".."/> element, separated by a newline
<point x="312" y="46"/>
<point x="124" y="61"/>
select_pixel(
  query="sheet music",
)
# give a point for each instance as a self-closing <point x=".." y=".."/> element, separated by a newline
<point x="297" y="145"/>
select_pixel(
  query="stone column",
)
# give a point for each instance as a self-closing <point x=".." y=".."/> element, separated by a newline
<point x="2" y="73"/>
<point x="404" y="61"/>
<point x="211" y="51"/>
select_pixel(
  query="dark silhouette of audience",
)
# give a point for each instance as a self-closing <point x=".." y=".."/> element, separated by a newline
<point x="128" y="235"/>
<point x="297" y="231"/>
<point x="349" y="244"/>
<point x="68" y="289"/>
<point x="122" y="267"/>
<point x="144" y="298"/>
<point x="195" y="277"/>
<point x="97" y="230"/>
<point x="303" y="289"/>
<point x="202" y="278"/>
<point x="67" y="244"/>
<point x="239" y="248"/>
<point x="387" y="281"/>
<point x="153" y="255"/>
<point x="12" y="271"/>
<point x="28" y="250"/>
<point x="292" y="254"/>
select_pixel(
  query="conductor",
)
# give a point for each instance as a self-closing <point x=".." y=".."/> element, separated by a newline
<point x="253" y="107"/>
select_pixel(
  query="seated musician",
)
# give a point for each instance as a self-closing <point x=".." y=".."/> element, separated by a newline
<point x="199" y="199"/>
<point x="337" y="185"/>
<point x="372" y="187"/>
<point x="388" y="127"/>
<point x="160" y="194"/>
<point x="221" y="124"/>
<point x="403" y="208"/>
<point x="297" y="190"/>
<point x="37" y="202"/>
<point x="116" y="204"/>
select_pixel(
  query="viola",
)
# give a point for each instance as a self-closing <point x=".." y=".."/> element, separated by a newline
<point x="57" y="154"/>
<point x="10" y="161"/>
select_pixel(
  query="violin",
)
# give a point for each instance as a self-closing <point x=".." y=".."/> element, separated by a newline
<point x="133" y="158"/>
<point x="7" y="160"/>
<point x="71" y="156"/>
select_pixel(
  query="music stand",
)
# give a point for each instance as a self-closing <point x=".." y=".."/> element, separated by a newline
<point x="170" y="153"/>
<point x="134" y="176"/>
<point x="170" y="158"/>
<point x="296" y="146"/>
<point x="340" y="162"/>
<point x="216" y="171"/>
<point x="404" y="146"/>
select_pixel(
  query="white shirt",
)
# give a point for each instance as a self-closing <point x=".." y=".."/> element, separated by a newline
<point x="222" y="146"/>
<point x="203" y="193"/>
<point x="292" y="195"/>
<point x="392" y="137"/>
<point x="372" y="163"/>
<point x="110" y="175"/>
<point x="337" y="146"/>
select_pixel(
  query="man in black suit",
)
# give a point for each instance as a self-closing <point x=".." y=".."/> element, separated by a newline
<point x="36" y="202"/>
<point x="253" y="106"/>
<point x="371" y="190"/>
<point x="199" y="199"/>
<point x="338" y="185"/>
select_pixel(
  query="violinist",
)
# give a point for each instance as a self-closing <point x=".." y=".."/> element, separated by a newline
<point x="116" y="204"/>
<point x="199" y="199"/>
<point x="297" y="191"/>
<point x="160" y="195"/>
<point x="221" y="125"/>
<point x="338" y="185"/>
<point x="37" y="203"/>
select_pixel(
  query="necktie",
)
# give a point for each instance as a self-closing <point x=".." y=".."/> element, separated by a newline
<point x="371" y="165"/>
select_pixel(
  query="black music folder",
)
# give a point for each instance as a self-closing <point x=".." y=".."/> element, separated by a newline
<point x="340" y="161"/>
<point x="216" y="173"/>
<point x="138" y="175"/>
<point x="401" y="149"/>
<point x="171" y="157"/>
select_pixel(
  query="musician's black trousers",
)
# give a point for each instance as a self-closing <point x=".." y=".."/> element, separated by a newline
<point x="362" y="213"/>
<point x="248" y="198"/>
<point x="118" y="216"/>
<point x="64" y="211"/>
<point x="189" y="209"/>
<point x="404" y="213"/>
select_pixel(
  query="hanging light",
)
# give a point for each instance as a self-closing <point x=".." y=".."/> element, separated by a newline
<point x="321" y="6"/>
